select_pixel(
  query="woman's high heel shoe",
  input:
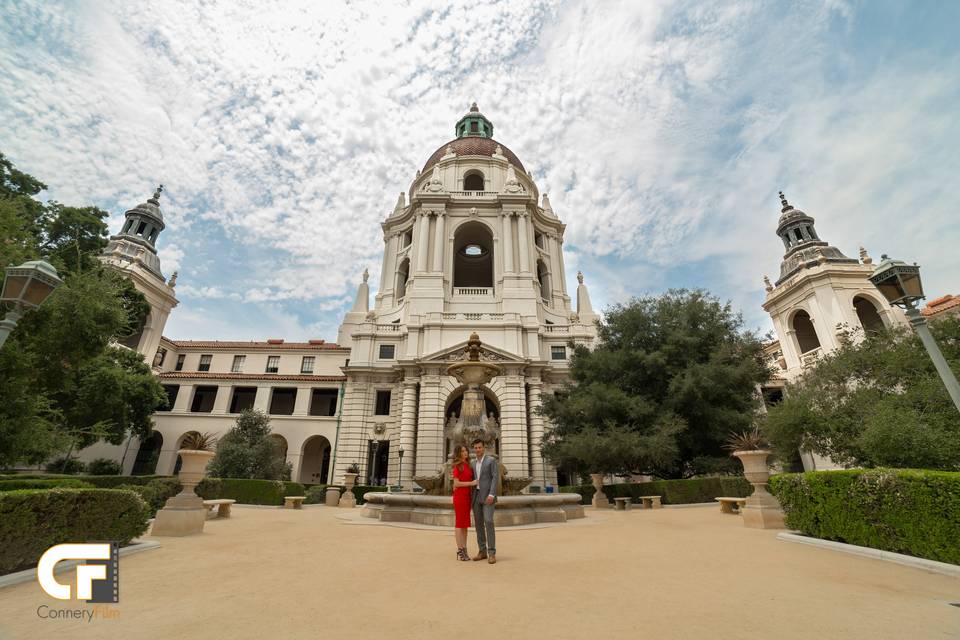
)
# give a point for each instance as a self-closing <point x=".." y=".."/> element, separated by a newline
<point x="462" y="555"/>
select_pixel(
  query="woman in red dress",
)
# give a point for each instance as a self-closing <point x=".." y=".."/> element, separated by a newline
<point x="463" y="484"/>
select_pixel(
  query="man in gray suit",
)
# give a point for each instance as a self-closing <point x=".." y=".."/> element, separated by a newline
<point x="487" y="472"/>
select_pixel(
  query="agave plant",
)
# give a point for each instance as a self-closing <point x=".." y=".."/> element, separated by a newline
<point x="746" y="441"/>
<point x="353" y="467"/>
<point x="196" y="441"/>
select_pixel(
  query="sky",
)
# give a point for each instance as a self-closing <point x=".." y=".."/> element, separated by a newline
<point x="283" y="132"/>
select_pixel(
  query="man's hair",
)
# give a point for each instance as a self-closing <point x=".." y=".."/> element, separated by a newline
<point x="477" y="441"/>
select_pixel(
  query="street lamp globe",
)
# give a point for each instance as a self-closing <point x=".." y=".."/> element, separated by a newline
<point x="26" y="287"/>
<point x="898" y="281"/>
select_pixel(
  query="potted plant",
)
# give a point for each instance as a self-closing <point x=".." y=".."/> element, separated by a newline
<point x="184" y="513"/>
<point x="349" y="480"/>
<point x="599" y="497"/>
<point x="195" y="453"/>
<point x="762" y="511"/>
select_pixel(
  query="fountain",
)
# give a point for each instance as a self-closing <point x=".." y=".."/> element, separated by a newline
<point x="434" y="506"/>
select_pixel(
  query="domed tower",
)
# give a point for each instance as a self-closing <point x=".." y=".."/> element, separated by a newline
<point x="133" y="252"/>
<point x="470" y="246"/>
<point x="820" y="293"/>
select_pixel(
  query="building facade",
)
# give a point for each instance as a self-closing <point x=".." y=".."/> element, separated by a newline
<point x="471" y="246"/>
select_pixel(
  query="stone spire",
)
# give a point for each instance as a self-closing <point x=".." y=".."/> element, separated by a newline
<point x="401" y="203"/>
<point x="546" y="204"/>
<point x="584" y="308"/>
<point x="803" y="245"/>
<point x="362" y="303"/>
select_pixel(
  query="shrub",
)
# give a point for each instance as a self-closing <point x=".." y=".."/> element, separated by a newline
<point x="317" y="494"/>
<point x="362" y="489"/>
<point x="248" y="451"/>
<point x="209" y="488"/>
<point x="155" y="493"/>
<point x="109" y="482"/>
<point x="901" y="510"/>
<point x="689" y="491"/>
<point x="103" y="467"/>
<point x="64" y="465"/>
<point x="32" y="521"/>
<point x="246" y="491"/>
<point x="47" y="483"/>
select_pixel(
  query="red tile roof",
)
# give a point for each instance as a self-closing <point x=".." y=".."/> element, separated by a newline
<point x="267" y="344"/>
<point x="473" y="146"/>
<point x="941" y="304"/>
<point x="213" y="375"/>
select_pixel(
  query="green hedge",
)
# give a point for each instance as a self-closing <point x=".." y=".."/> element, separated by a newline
<point x="33" y="520"/>
<point x="246" y="491"/>
<point x="103" y="482"/>
<point x="902" y="510"/>
<point x="47" y="483"/>
<point x="689" y="491"/>
<point x="155" y="493"/>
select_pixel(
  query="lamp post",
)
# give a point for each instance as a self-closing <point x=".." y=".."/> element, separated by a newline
<point x="26" y="286"/>
<point x="400" y="468"/>
<point x="900" y="284"/>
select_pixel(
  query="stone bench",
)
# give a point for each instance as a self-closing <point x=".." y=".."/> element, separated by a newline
<point x="622" y="504"/>
<point x="650" y="502"/>
<point x="731" y="505"/>
<point x="222" y="505"/>
<point x="293" y="502"/>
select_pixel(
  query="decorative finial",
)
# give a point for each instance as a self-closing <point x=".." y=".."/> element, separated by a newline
<point x="156" y="195"/>
<point x="766" y="284"/>
<point x="864" y="257"/>
<point x="498" y="150"/>
<point x="786" y="205"/>
<point x="580" y="277"/>
<point x="473" y="107"/>
<point x="366" y="274"/>
<point x="172" y="282"/>
<point x="884" y="256"/>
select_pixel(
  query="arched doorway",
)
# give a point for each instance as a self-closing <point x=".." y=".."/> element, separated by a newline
<point x="452" y="411"/>
<point x="473" y="256"/>
<point x="807" y="338"/>
<point x="543" y="277"/>
<point x="867" y="314"/>
<point x="145" y="463"/>
<point x="315" y="461"/>
<point x="473" y="181"/>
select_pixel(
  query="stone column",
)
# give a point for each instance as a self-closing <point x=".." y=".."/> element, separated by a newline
<point x="513" y="427"/>
<point x="222" y="402"/>
<point x="439" y="243"/>
<point x="422" y="239"/>
<point x="559" y="280"/>
<point x="430" y="454"/>
<point x="184" y="397"/>
<point x="389" y="266"/>
<point x="522" y="222"/>
<point x="537" y="469"/>
<point x="302" y="403"/>
<point x="408" y="427"/>
<point x="507" y="244"/>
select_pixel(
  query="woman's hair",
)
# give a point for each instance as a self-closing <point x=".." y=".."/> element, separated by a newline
<point x="456" y="453"/>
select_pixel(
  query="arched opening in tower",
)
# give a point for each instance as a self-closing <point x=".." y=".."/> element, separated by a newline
<point x="867" y="313"/>
<point x="543" y="277"/>
<point x="403" y="274"/>
<point x="807" y="338"/>
<point x="473" y="256"/>
<point x="473" y="181"/>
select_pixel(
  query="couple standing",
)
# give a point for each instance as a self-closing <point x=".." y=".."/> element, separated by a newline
<point x="475" y="488"/>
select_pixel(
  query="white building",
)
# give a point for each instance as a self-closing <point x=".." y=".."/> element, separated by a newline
<point x="471" y="246"/>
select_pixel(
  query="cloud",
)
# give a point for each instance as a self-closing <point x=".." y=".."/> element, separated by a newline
<point x="662" y="131"/>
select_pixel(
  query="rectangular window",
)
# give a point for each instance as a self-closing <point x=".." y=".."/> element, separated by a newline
<point x="383" y="403"/>
<point x="558" y="353"/>
<point x="243" y="398"/>
<point x="172" y="391"/>
<point x="273" y="364"/>
<point x="180" y="359"/>
<point x="387" y="351"/>
<point x="205" y="363"/>
<point x="237" y="366"/>
<point x="203" y="399"/>
<point x="306" y="366"/>
<point x="282" y="401"/>
<point x="323" y="402"/>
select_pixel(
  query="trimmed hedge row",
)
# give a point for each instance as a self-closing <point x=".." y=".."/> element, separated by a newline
<point x="33" y="520"/>
<point x="103" y="482"/>
<point x="316" y="494"/>
<point x="902" y="510"/>
<point x="688" y="491"/>
<point x="246" y="491"/>
<point x="155" y="493"/>
<point x="66" y="483"/>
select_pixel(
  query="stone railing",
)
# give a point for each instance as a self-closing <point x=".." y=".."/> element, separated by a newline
<point x="556" y="328"/>
<point x="473" y="194"/>
<point x="473" y="316"/>
<point x="473" y="291"/>
<point x="388" y="328"/>
<point x="810" y="358"/>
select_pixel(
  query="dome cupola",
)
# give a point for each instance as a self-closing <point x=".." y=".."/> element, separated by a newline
<point x="474" y="124"/>
<point x="804" y="247"/>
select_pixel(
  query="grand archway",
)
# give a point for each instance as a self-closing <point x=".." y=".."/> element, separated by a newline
<point x="452" y="412"/>
<point x="145" y="463"/>
<point x="315" y="460"/>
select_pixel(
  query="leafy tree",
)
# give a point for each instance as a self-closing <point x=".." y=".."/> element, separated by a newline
<point x="74" y="237"/>
<point x="248" y="451"/>
<point x="874" y="402"/>
<point x="671" y="377"/>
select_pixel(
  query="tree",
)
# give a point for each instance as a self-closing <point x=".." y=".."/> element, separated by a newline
<point x="248" y="451"/>
<point x="670" y="378"/>
<point x="876" y="401"/>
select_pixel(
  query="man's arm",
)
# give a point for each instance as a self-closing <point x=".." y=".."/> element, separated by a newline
<point x="494" y="479"/>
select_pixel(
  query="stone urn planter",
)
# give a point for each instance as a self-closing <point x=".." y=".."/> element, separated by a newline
<point x="599" y="497"/>
<point x="184" y="513"/>
<point x="332" y="496"/>
<point x="762" y="511"/>
<point x="348" y="500"/>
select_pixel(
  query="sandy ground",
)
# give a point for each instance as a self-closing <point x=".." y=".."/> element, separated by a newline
<point x="669" y="573"/>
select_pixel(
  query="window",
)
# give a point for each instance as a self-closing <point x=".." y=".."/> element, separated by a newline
<point x="558" y="353"/>
<point x="474" y="127"/>
<point x="205" y="362"/>
<point x="180" y="359"/>
<point x="273" y="364"/>
<point x="306" y="366"/>
<point x="203" y="399"/>
<point x="237" y="364"/>
<point x="806" y="334"/>
<point x="243" y="399"/>
<point x="143" y="225"/>
<point x="323" y="402"/>
<point x="473" y="182"/>
<point x="383" y="403"/>
<point x="387" y="351"/>
<point x="282" y="401"/>
<point x="172" y="390"/>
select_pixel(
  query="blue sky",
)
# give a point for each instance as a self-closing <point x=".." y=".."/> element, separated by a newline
<point x="662" y="132"/>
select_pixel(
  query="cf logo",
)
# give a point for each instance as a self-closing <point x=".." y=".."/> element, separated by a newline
<point x="102" y="570"/>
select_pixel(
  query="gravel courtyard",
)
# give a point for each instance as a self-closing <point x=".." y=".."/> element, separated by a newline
<point x="668" y="573"/>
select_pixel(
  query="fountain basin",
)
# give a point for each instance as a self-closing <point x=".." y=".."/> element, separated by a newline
<point x="438" y="510"/>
